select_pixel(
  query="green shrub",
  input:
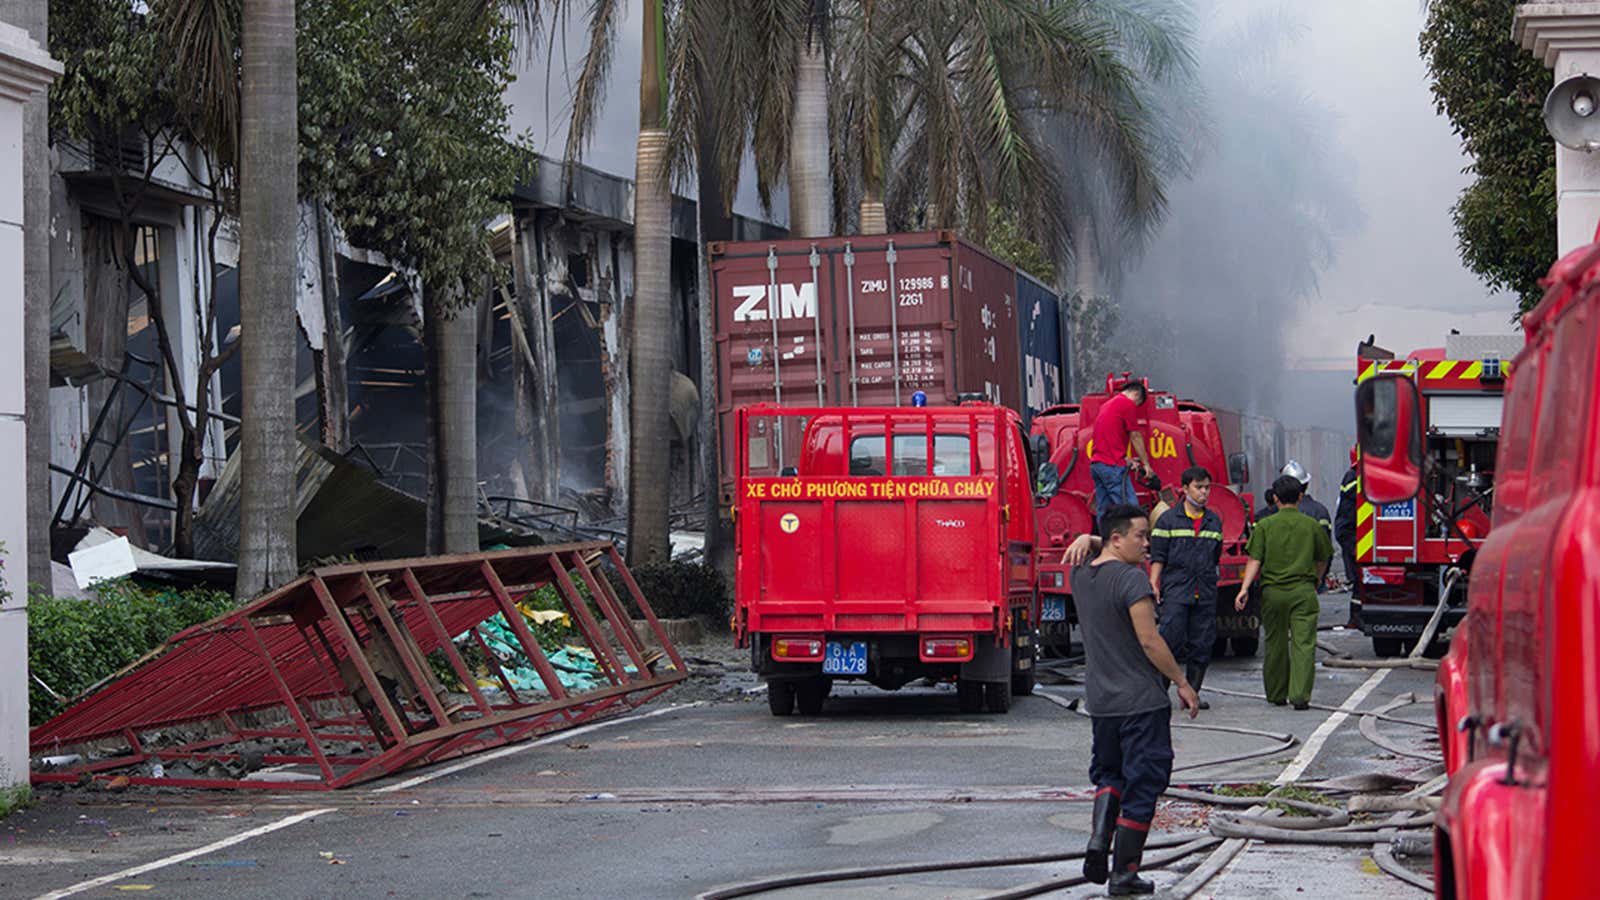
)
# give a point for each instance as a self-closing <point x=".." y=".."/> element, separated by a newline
<point x="679" y="590"/>
<point x="74" y="643"/>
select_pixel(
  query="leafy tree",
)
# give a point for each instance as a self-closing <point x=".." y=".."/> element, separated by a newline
<point x="1493" y="92"/>
<point x="402" y="136"/>
<point x="120" y="82"/>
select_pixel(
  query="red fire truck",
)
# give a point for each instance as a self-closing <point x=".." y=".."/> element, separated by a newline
<point x="1406" y="551"/>
<point x="884" y="544"/>
<point x="1178" y="434"/>
<point x="1518" y="696"/>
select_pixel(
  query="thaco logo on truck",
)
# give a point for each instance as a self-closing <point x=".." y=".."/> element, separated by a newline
<point x="795" y="301"/>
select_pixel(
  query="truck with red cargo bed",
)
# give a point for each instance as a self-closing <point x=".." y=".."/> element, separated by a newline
<point x="1518" y="695"/>
<point x="885" y="544"/>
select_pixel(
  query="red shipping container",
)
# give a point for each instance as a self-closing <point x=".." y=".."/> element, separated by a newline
<point x="858" y="321"/>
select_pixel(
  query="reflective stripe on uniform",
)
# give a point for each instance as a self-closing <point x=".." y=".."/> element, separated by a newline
<point x="1185" y="533"/>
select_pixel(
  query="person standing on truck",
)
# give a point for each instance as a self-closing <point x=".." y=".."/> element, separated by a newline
<point x="1185" y="551"/>
<point x="1116" y="427"/>
<point x="1344" y="531"/>
<point x="1290" y="551"/>
<point x="1125" y="662"/>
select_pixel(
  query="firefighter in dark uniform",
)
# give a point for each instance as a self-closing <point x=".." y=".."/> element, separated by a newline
<point x="1185" y="550"/>
<point x="1344" y="531"/>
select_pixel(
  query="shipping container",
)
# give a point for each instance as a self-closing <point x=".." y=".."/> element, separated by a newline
<point x="1045" y="368"/>
<point x="858" y="321"/>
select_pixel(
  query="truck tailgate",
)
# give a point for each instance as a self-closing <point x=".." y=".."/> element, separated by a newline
<point x="871" y="554"/>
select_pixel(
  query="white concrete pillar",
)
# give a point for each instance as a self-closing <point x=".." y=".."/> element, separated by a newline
<point x="25" y="70"/>
<point x="1566" y="36"/>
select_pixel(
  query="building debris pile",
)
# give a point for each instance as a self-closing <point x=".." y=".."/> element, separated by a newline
<point x="339" y="677"/>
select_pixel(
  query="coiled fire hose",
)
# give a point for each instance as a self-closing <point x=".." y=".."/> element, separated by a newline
<point x="1405" y="833"/>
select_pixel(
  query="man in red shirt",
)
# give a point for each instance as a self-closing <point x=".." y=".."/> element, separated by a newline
<point x="1115" y="428"/>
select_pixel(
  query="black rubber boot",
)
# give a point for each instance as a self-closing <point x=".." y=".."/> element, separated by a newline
<point x="1197" y="676"/>
<point x="1125" y="856"/>
<point x="1106" y="808"/>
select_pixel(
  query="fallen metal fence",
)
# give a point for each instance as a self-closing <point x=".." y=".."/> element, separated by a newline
<point x="327" y="682"/>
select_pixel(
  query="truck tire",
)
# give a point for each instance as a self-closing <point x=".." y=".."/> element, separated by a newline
<point x="1384" y="647"/>
<point x="780" y="697"/>
<point x="809" y="695"/>
<point x="969" y="694"/>
<point x="1022" y="676"/>
<point x="997" y="696"/>
<point x="1245" y="646"/>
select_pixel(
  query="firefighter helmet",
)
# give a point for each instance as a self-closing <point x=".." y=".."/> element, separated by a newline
<point x="1298" y="472"/>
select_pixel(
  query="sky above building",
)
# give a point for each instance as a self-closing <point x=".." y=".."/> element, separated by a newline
<point x="1399" y="275"/>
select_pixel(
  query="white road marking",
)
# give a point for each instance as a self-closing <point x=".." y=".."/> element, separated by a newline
<point x="176" y="858"/>
<point x="1319" y="737"/>
<point x="1237" y="847"/>
<point x="481" y="758"/>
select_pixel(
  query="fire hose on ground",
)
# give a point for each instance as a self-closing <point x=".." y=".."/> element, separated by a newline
<point x="1416" y="659"/>
<point x="1407" y="832"/>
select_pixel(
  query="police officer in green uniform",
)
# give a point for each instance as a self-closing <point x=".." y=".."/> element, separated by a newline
<point x="1290" y="551"/>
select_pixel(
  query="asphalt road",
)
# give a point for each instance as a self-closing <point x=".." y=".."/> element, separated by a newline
<point x="701" y="795"/>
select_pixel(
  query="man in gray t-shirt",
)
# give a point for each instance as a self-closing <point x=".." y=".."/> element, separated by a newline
<point x="1126" y="658"/>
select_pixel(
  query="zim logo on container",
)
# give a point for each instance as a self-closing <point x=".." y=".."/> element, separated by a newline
<point x="790" y="523"/>
<point x="795" y="301"/>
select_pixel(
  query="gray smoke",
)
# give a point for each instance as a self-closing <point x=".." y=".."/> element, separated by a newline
<point x="1206" y="303"/>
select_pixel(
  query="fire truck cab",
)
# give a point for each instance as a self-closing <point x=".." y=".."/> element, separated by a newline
<point x="1518" y="695"/>
<point x="1410" y="551"/>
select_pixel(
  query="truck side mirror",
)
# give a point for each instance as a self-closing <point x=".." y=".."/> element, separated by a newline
<point x="1389" y="431"/>
<point x="1239" y="468"/>
<point x="1048" y="482"/>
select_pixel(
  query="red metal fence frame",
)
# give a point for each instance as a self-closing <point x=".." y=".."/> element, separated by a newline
<point x="355" y="638"/>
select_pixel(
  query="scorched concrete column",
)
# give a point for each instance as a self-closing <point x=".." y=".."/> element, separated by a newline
<point x="25" y="70"/>
<point x="1566" y="36"/>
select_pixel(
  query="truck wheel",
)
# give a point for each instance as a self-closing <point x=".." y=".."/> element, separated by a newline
<point x="1023" y="679"/>
<point x="809" y="695"/>
<point x="996" y="696"/>
<point x="1388" y="647"/>
<point x="780" y="697"/>
<point x="1245" y="646"/>
<point x="969" y="694"/>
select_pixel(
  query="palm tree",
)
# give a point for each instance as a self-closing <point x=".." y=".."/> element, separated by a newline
<point x="981" y="79"/>
<point x="268" y="192"/>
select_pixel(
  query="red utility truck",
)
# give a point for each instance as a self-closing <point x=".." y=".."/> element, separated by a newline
<point x="1178" y="434"/>
<point x="885" y="544"/>
<point x="1518" y="695"/>
<point x="1406" y="551"/>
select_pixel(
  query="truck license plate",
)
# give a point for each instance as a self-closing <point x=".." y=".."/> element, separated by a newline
<point x="845" y="659"/>
<point x="1052" y="609"/>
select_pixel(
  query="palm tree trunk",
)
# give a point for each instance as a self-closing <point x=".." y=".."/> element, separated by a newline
<point x="1086" y="269"/>
<point x="809" y="194"/>
<point x="874" y="218"/>
<point x="651" y="353"/>
<point x="451" y="339"/>
<point x="268" y="216"/>
<point x="33" y="16"/>
<point x="714" y="223"/>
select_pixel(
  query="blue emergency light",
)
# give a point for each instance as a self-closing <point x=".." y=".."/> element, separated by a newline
<point x="919" y="398"/>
